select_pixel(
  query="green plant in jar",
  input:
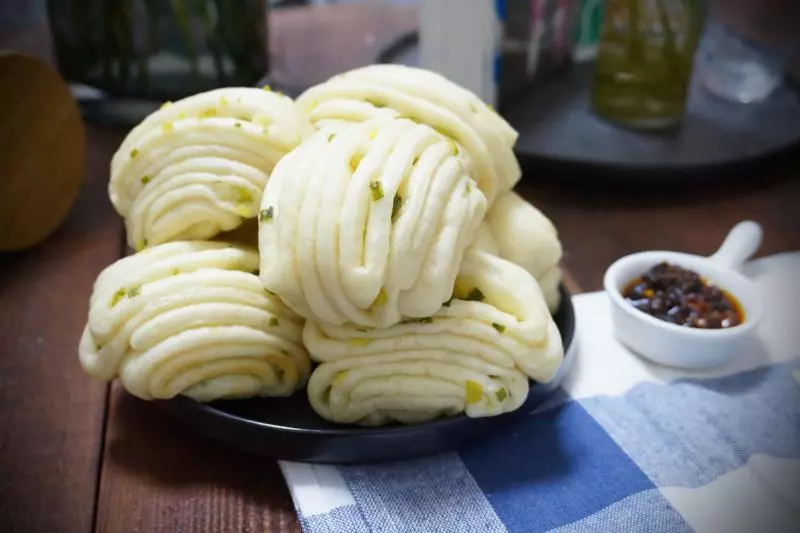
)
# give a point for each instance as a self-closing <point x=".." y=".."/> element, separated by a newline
<point x="159" y="49"/>
<point x="644" y="60"/>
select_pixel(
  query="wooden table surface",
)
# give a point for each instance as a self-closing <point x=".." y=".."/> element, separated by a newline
<point x="77" y="456"/>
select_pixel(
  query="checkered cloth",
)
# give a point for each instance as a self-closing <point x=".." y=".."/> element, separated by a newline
<point x="625" y="445"/>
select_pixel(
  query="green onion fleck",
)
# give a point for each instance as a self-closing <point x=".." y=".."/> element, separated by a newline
<point x="273" y="322"/>
<point x="499" y="327"/>
<point x="269" y="292"/>
<point x="244" y="194"/>
<point x="468" y="186"/>
<point x="119" y="295"/>
<point x="265" y="215"/>
<point x="376" y="189"/>
<point x="356" y="341"/>
<point x="501" y="394"/>
<point x="397" y="205"/>
<point x="237" y="125"/>
<point x="134" y="152"/>
<point x="355" y="161"/>
<point x="145" y="180"/>
<point x="176" y="271"/>
<point x="474" y="391"/>
<point x="134" y="292"/>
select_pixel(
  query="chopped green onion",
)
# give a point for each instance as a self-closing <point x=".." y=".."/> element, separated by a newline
<point x="273" y="321"/>
<point x="176" y="271"/>
<point x="244" y="194"/>
<point x="474" y="391"/>
<point x="145" y="180"/>
<point x="376" y="189"/>
<point x="244" y="118"/>
<point x="134" y="152"/>
<point x="468" y="186"/>
<point x="499" y="327"/>
<point x="355" y="161"/>
<point x="453" y="147"/>
<point x="501" y="394"/>
<point x="265" y="215"/>
<point x="134" y="292"/>
<point x="210" y="112"/>
<point x="357" y="341"/>
<point x="397" y="205"/>
<point x="119" y="295"/>
<point x="237" y="125"/>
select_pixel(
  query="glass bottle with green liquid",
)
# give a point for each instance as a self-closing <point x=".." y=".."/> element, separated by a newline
<point x="644" y="61"/>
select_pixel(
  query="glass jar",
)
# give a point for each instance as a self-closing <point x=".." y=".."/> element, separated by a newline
<point x="156" y="50"/>
<point x="644" y="61"/>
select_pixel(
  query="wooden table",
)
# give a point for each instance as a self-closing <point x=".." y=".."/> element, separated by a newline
<point x="78" y="456"/>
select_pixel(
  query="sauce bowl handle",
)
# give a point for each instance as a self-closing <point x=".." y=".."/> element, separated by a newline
<point x="739" y="245"/>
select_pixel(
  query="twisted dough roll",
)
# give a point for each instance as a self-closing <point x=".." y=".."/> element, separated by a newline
<point x="428" y="98"/>
<point x="474" y="356"/>
<point x="191" y="318"/>
<point x="198" y="167"/>
<point x="367" y="225"/>
<point x="525" y="236"/>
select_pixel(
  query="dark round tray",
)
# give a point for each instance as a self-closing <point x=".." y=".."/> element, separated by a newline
<point x="289" y="429"/>
<point x="560" y="136"/>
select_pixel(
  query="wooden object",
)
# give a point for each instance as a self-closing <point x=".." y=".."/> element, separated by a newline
<point x="51" y="412"/>
<point x="42" y="149"/>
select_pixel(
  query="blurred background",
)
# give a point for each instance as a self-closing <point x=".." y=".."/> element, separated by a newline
<point x="619" y="85"/>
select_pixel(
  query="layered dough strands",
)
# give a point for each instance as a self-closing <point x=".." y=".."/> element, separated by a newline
<point x="428" y="98"/>
<point x="517" y="231"/>
<point x="368" y="224"/>
<point x="198" y="167"/>
<point x="192" y="318"/>
<point x="475" y="355"/>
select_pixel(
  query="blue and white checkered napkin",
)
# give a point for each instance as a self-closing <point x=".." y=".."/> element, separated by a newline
<point x="628" y="446"/>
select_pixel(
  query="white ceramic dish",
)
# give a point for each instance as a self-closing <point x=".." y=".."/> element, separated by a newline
<point x="680" y="346"/>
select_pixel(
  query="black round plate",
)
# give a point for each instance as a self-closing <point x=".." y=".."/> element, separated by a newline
<point x="289" y="429"/>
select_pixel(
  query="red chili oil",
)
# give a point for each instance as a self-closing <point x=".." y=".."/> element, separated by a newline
<point x="683" y="297"/>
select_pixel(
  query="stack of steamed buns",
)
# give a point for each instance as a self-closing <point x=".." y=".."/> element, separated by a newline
<point x="397" y="277"/>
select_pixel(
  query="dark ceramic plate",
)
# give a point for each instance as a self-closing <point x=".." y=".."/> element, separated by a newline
<point x="287" y="428"/>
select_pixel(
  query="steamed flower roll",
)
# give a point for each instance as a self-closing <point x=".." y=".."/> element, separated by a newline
<point x="525" y="236"/>
<point x="367" y="224"/>
<point x="428" y="98"/>
<point x="198" y="167"/>
<point x="192" y="318"/>
<point x="475" y="355"/>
